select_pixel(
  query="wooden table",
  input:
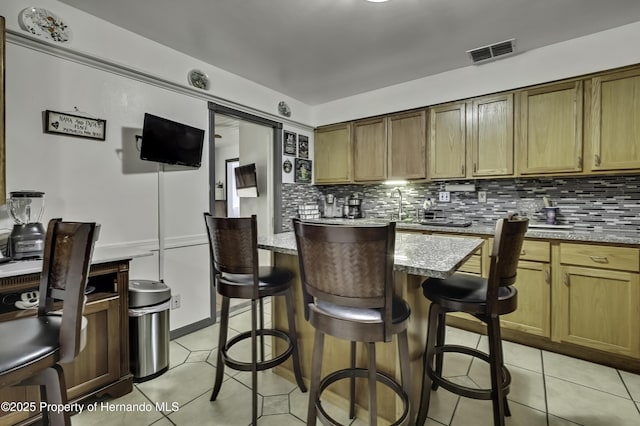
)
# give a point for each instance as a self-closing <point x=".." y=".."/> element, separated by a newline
<point x="417" y="256"/>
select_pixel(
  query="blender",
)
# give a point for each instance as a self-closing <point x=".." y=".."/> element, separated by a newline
<point x="28" y="235"/>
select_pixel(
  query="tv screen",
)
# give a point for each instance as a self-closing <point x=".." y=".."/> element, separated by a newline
<point x="167" y="141"/>
<point x="246" y="181"/>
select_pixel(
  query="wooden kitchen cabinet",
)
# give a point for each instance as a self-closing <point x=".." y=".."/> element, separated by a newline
<point x="406" y="145"/>
<point x="597" y="298"/>
<point x="332" y="154"/>
<point x="491" y="136"/>
<point x="102" y="367"/>
<point x="370" y="150"/>
<point x="615" y="132"/>
<point x="549" y="139"/>
<point x="447" y="141"/>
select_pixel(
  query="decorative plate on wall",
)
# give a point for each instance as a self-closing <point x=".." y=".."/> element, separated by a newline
<point x="198" y="79"/>
<point x="44" y="23"/>
<point x="284" y="109"/>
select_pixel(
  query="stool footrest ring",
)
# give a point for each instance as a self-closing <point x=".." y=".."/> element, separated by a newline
<point x="462" y="390"/>
<point x="260" y="365"/>
<point x="348" y="373"/>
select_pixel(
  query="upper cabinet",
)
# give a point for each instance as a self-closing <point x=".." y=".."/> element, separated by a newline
<point x="550" y="134"/>
<point x="492" y="136"/>
<point x="447" y="141"/>
<point x="332" y="154"/>
<point x="472" y="139"/>
<point x="406" y="143"/>
<point x="615" y="129"/>
<point x="370" y="150"/>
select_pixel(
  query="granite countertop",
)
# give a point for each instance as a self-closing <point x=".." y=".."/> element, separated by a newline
<point x="100" y="255"/>
<point x="611" y="237"/>
<point x="418" y="254"/>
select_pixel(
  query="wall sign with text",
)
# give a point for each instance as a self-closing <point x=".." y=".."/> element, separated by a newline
<point x="74" y="125"/>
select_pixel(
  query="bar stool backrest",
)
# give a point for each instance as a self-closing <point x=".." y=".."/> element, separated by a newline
<point x="347" y="266"/>
<point x="505" y="255"/>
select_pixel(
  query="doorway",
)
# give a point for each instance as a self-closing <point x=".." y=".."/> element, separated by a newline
<point x="242" y="138"/>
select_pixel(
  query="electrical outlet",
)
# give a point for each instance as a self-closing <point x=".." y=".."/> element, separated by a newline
<point x="482" y="196"/>
<point x="175" y="301"/>
<point x="444" y="196"/>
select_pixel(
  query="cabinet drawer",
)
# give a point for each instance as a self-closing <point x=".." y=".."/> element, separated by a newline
<point x="537" y="251"/>
<point x="620" y="258"/>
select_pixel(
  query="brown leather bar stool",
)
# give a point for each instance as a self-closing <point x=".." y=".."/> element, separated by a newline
<point x="486" y="299"/>
<point x="347" y="283"/>
<point x="234" y="255"/>
<point x="33" y="347"/>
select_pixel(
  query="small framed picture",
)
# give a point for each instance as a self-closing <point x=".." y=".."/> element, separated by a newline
<point x="303" y="170"/>
<point x="303" y="146"/>
<point x="289" y="144"/>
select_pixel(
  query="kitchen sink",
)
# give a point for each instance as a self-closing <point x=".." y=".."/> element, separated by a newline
<point x="450" y="223"/>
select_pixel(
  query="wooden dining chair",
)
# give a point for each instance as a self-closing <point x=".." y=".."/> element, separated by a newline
<point x="34" y="347"/>
<point x="486" y="299"/>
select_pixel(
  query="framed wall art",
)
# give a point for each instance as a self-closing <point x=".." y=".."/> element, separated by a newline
<point x="303" y="146"/>
<point x="289" y="144"/>
<point x="74" y="125"/>
<point x="303" y="171"/>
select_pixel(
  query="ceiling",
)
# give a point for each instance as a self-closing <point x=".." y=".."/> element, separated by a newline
<point x="316" y="51"/>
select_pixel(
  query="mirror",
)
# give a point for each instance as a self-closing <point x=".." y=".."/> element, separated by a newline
<point x="3" y="191"/>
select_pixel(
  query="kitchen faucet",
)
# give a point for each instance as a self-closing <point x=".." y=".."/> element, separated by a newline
<point x="399" y="202"/>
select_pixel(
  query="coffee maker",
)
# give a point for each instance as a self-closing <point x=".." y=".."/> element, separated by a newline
<point x="330" y="206"/>
<point x="27" y="236"/>
<point x="355" y="207"/>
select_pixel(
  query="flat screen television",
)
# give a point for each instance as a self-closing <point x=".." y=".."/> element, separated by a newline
<point x="246" y="180"/>
<point x="170" y="142"/>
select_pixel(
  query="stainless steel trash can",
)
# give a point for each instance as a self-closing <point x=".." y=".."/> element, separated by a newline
<point x="149" y="304"/>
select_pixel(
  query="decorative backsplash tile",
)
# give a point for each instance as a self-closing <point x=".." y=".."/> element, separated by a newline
<point x="587" y="203"/>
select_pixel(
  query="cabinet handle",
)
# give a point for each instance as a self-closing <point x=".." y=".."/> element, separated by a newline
<point x="547" y="277"/>
<point x="463" y="170"/>
<point x="600" y="259"/>
<point x="566" y="279"/>
<point x="580" y="162"/>
<point x="597" y="160"/>
<point x="523" y="252"/>
<point x="475" y="167"/>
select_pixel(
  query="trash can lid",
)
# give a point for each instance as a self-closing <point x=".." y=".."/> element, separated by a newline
<point x="147" y="293"/>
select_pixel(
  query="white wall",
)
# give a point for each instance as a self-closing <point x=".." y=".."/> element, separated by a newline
<point x="596" y="52"/>
<point x="105" y="181"/>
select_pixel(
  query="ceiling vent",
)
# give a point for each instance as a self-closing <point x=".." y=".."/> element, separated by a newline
<point x="491" y="52"/>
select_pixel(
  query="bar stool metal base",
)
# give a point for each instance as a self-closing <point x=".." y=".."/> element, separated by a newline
<point x="351" y="373"/>
<point x="263" y="364"/>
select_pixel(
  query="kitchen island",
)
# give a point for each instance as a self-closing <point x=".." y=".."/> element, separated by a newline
<point x="417" y="256"/>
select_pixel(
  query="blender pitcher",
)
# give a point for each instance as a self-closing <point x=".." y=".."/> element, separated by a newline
<point x="28" y="235"/>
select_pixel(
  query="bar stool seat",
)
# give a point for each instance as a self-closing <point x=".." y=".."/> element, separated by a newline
<point x="486" y="299"/>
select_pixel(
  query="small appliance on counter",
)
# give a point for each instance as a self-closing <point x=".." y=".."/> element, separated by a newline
<point x="330" y="206"/>
<point x="354" y="207"/>
<point x="27" y="236"/>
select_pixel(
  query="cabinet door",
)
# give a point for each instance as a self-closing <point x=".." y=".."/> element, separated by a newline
<point x="370" y="150"/>
<point x="615" y="132"/>
<point x="332" y="154"/>
<point x="406" y="141"/>
<point x="534" y="295"/>
<point x="551" y="129"/>
<point x="597" y="308"/>
<point x="447" y="141"/>
<point x="99" y="362"/>
<point x="492" y="136"/>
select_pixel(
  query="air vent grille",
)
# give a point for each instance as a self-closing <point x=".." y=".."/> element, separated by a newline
<point x="487" y="53"/>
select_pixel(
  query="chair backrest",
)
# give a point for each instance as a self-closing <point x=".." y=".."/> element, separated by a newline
<point x="347" y="266"/>
<point x="233" y="245"/>
<point x="65" y="270"/>
<point x="505" y="254"/>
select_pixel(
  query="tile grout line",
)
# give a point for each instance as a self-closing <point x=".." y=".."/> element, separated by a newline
<point x="544" y="387"/>
<point x="628" y="391"/>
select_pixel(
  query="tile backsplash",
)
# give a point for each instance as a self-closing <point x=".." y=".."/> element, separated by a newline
<point x="587" y="203"/>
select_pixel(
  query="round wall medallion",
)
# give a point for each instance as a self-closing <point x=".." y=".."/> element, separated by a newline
<point x="44" y="23"/>
<point x="284" y="109"/>
<point x="198" y="79"/>
<point x="287" y="166"/>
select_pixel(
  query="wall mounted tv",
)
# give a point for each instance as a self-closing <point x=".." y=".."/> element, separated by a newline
<point x="170" y="142"/>
<point x="246" y="181"/>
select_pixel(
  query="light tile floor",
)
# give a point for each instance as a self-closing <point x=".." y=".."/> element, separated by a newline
<point x="547" y="389"/>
